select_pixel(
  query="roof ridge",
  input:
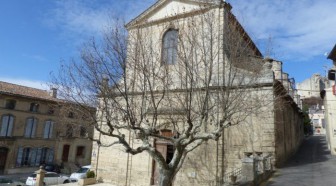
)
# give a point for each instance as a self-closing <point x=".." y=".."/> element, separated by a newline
<point x="25" y="91"/>
<point x="23" y="86"/>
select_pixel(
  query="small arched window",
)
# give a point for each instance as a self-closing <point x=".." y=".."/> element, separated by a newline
<point x="34" y="107"/>
<point x="169" y="47"/>
<point x="7" y="122"/>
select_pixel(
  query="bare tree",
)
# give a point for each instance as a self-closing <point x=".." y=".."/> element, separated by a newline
<point x="185" y="93"/>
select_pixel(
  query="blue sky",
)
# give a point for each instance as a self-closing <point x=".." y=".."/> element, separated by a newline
<point x="36" y="35"/>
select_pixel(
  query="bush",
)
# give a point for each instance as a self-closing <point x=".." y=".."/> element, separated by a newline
<point x="90" y="174"/>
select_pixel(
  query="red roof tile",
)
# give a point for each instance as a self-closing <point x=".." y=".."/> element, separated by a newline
<point x="23" y="91"/>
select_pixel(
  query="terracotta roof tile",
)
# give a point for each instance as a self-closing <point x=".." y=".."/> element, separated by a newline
<point x="18" y="90"/>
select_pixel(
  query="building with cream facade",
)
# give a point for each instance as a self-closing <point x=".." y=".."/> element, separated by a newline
<point x="310" y="95"/>
<point x="329" y="98"/>
<point x="274" y="129"/>
<point x="330" y="119"/>
<point x="32" y="131"/>
<point x="312" y="86"/>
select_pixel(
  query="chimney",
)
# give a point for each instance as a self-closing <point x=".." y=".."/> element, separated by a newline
<point x="104" y="82"/>
<point x="54" y="92"/>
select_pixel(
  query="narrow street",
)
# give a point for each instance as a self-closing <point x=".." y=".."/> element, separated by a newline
<point x="312" y="165"/>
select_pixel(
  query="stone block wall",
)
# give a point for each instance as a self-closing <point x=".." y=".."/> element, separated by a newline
<point x="114" y="165"/>
<point x="288" y="128"/>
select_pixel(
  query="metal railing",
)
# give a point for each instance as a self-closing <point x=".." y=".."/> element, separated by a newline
<point x="226" y="179"/>
<point x="236" y="173"/>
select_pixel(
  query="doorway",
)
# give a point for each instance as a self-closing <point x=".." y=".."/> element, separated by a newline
<point x="3" y="158"/>
<point x="167" y="151"/>
<point x="65" y="154"/>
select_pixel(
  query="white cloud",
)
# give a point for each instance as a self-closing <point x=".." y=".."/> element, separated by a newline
<point x="300" y="30"/>
<point x="78" y="21"/>
<point x="77" y="17"/>
<point x="26" y="82"/>
<point x="89" y="18"/>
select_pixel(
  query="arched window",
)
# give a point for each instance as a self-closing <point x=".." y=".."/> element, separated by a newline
<point x="30" y="156"/>
<point x="34" y="107"/>
<point x="7" y="122"/>
<point x="47" y="155"/>
<point x="169" y="47"/>
<point x="30" y="127"/>
<point x="25" y="156"/>
<point x="48" y="129"/>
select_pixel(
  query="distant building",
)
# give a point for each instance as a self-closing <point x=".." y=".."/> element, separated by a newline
<point x="312" y="86"/>
<point x="316" y="114"/>
<point x="33" y="131"/>
<point x="330" y="118"/>
<point x="310" y="94"/>
<point x="330" y="107"/>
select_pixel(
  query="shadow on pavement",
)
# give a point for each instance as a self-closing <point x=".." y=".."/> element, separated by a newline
<point x="312" y="150"/>
<point x="312" y="165"/>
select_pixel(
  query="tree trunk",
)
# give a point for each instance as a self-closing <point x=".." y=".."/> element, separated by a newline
<point x="166" y="177"/>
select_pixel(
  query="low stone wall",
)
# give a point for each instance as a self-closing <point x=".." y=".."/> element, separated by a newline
<point x="255" y="170"/>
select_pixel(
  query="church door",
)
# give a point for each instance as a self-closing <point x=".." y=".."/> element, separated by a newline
<point x="167" y="151"/>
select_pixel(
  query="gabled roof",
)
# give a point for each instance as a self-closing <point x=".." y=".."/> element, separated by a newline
<point x="161" y="3"/>
<point x="23" y="91"/>
<point x="143" y="17"/>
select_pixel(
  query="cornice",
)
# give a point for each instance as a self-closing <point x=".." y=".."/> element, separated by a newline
<point x="136" y="21"/>
<point x="168" y="19"/>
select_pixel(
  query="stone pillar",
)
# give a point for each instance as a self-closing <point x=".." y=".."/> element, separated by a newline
<point x="260" y="163"/>
<point x="40" y="176"/>
<point x="277" y="68"/>
<point x="267" y="73"/>
<point x="285" y="81"/>
<point x="248" y="168"/>
<point x="268" y="163"/>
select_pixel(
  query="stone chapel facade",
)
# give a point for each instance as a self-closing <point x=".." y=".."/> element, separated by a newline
<point x="276" y="130"/>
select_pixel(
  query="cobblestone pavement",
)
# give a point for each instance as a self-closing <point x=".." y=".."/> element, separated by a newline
<point x="312" y="165"/>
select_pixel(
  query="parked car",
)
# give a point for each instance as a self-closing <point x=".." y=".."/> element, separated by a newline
<point x="50" y="178"/>
<point x="52" y="168"/>
<point x="81" y="173"/>
<point x="10" y="182"/>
